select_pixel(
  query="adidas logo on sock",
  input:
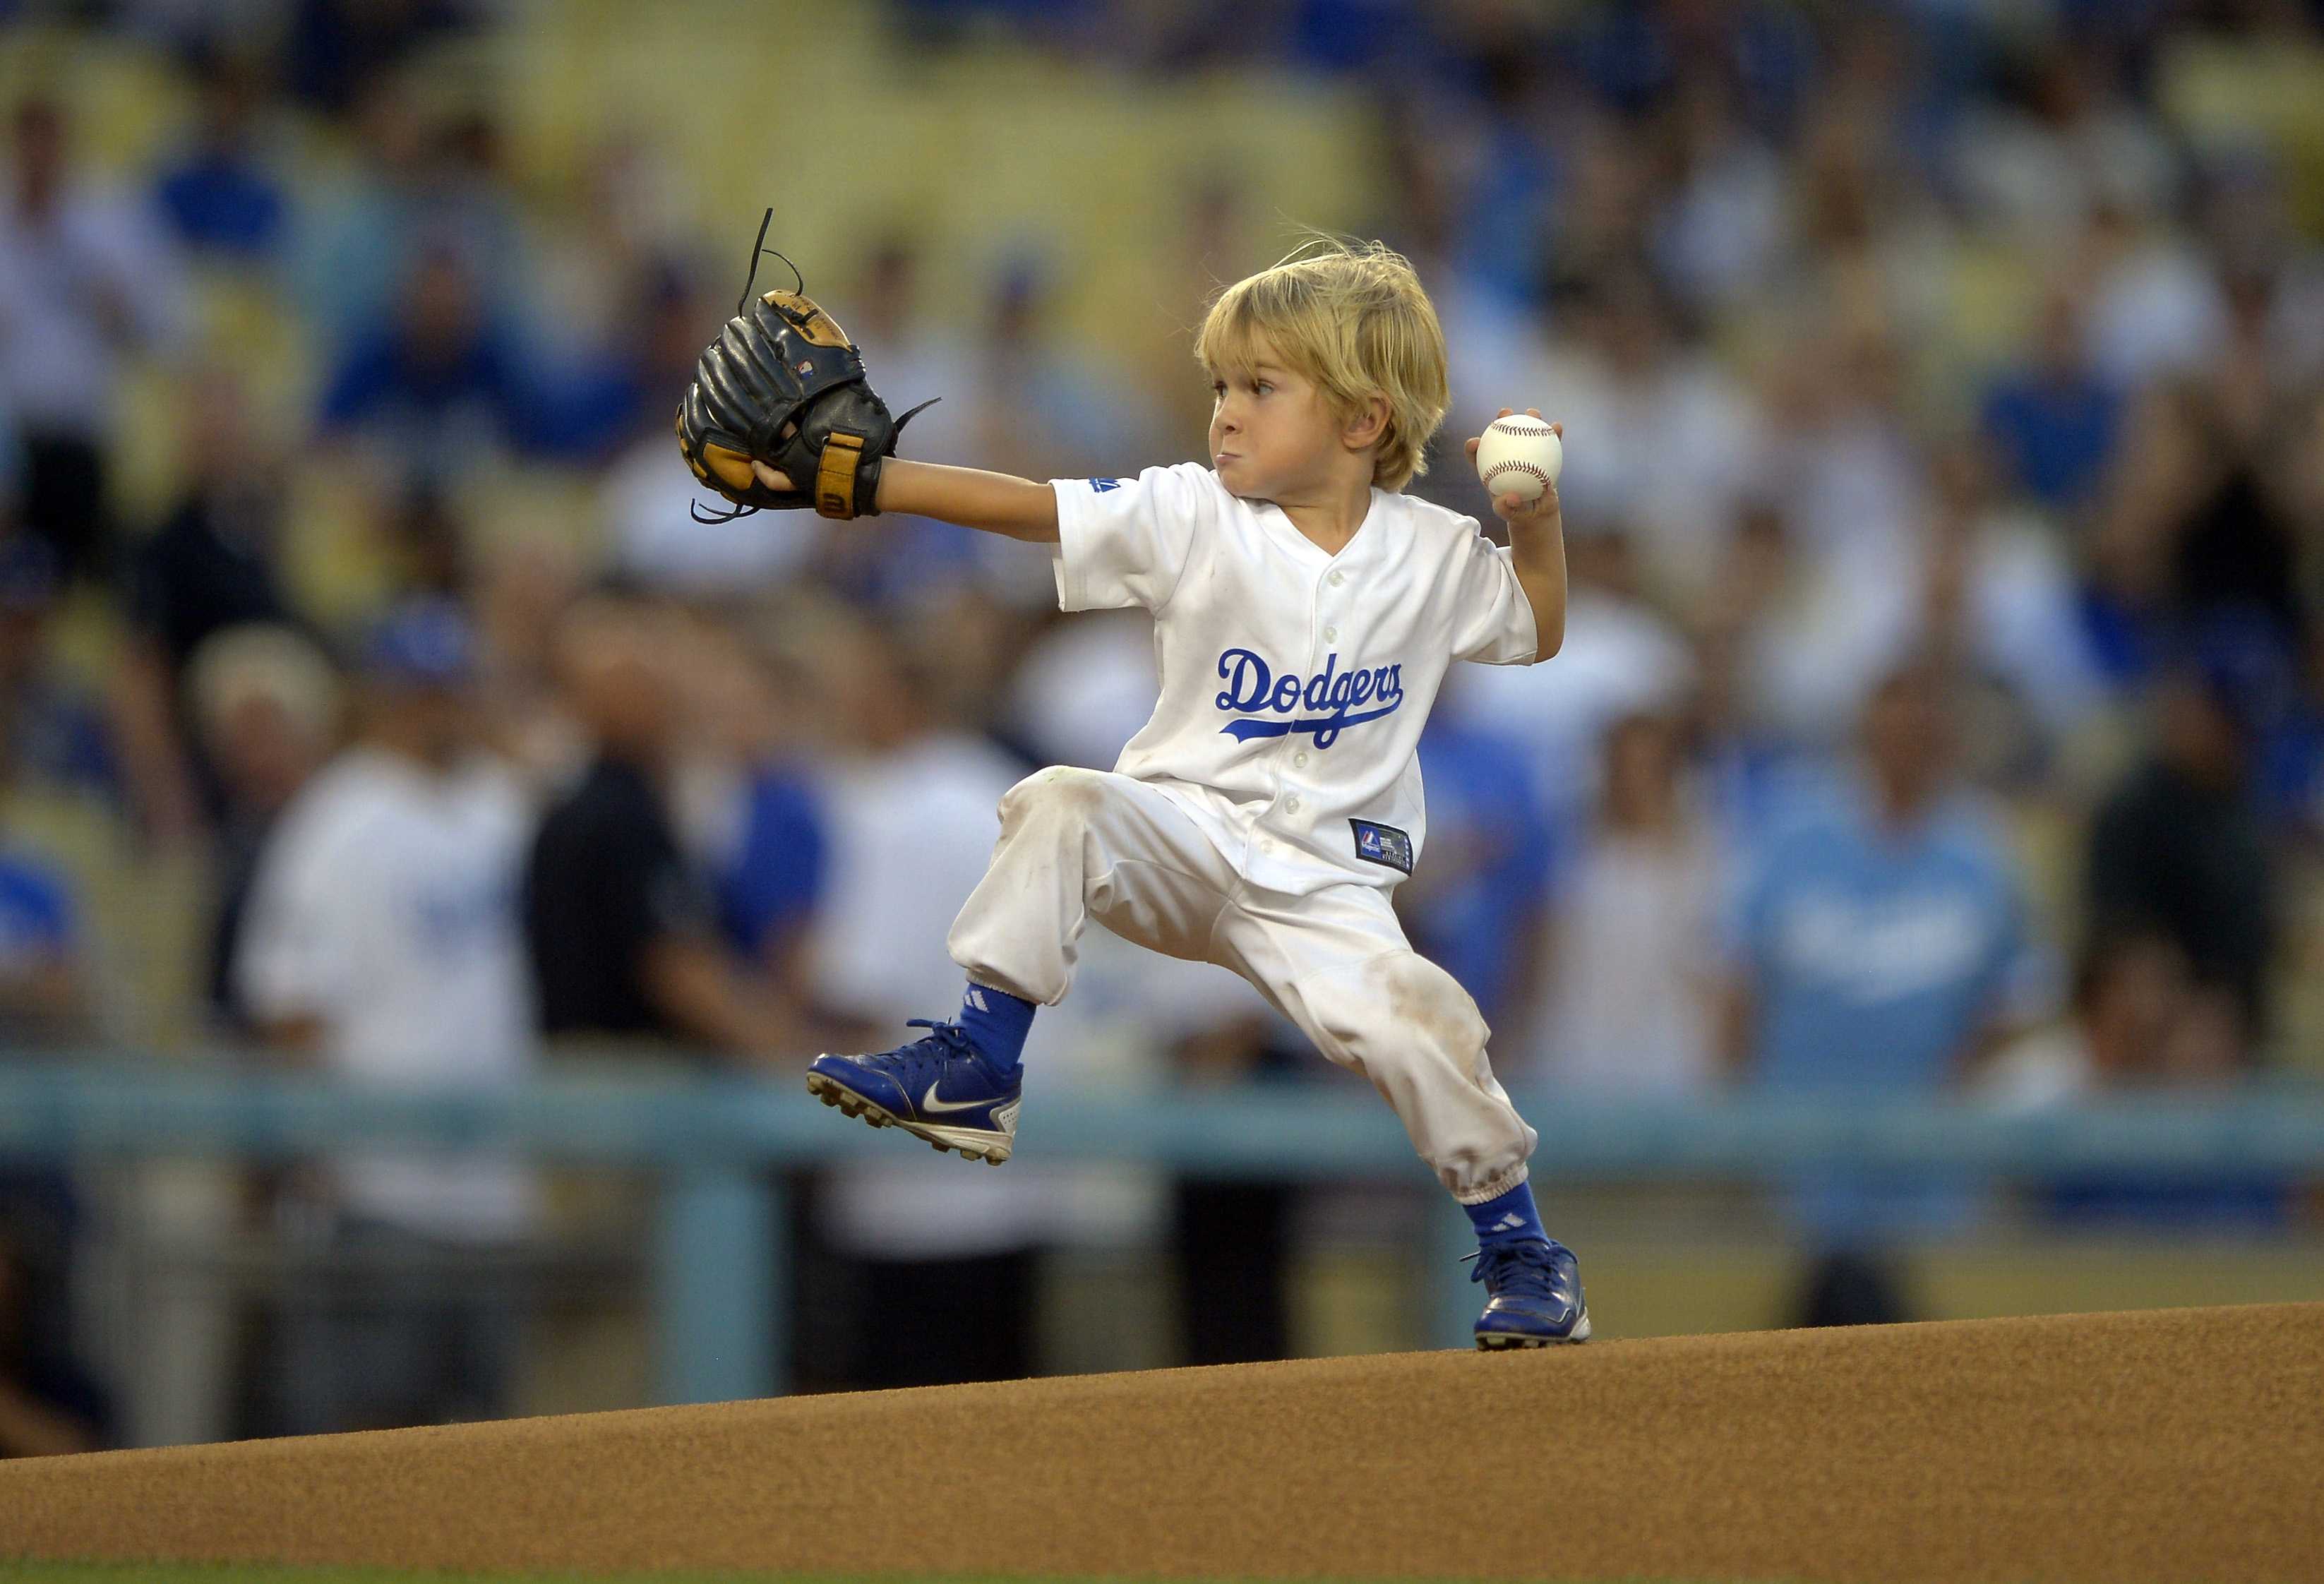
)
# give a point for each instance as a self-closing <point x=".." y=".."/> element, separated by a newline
<point x="976" y="999"/>
<point x="1507" y="1223"/>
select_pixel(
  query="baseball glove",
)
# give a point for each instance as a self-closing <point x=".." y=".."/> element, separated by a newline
<point x="783" y="386"/>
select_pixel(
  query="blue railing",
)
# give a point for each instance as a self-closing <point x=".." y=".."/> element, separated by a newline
<point x="719" y="1255"/>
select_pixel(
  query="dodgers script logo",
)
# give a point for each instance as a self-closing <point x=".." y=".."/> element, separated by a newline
<point x="1333" y="699"/>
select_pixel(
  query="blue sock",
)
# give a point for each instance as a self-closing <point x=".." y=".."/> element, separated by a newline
<point x="1506" y="1218"/>
<point x="996" y="1024"/>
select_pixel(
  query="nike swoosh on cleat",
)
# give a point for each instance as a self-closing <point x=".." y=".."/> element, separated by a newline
<point x="930" y="1104"/>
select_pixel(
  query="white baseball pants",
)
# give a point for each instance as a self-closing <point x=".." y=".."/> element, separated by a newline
<point x="1077" y="845"/>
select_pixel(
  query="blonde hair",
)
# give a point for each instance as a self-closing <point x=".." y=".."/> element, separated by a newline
<point x="1351" y="317"/>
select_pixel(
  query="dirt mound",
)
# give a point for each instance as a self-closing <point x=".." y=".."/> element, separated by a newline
<point x="2168" y="1445"/>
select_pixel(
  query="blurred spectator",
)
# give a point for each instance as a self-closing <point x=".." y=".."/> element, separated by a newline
<point x="222" y="195"/>
<point x="2236" y="545"/>
<point x="1083" y="688"/>
<point x="2058" y="140"/>
<point x="1664" y="439"/>
<point x="1037" y="408"/>
<point x="43" y="996"/>
<point x="2054" y="419"/>
<point x="88" y="280"/>
<point x="265" y="705"/>
<point x="2178" y="846"/>
<point x="1846" y="459"/>
<point x="1632" y="1003"/>
<point x="49" y="1404"/>
<point x="1879" y="949"/>
<point x="525" y="584"/>
<point x="616" y="243"/>
<point x="1745" y="758"/>
<point x="1478" y="908"/>
<point x="622" y="929"/>
<point x="214" y="561"/>
<point x="1722" y="230"/>
<point x="53" y="735"/>
<point x="383" y="946"/>
<point x="1980" y="584"/>
<point x="941" y="1263"/>
<point x="2293" y="764"/>
<point x="2136" y="1022"/>
<point x="768" y="869"/>
<point x="1854" y="501"/>
<point x="1871" y="252"/>
<point x="1232" y="1241"/>
<point x="417" y="186"/>
<point x="2141" y="1024"/>
<point x="2155" y="308"/>
<point x="908" y="353"/>
<point x="1620" y="656"/>
<point x="439" y="382"/>
<point x="337" y="48"/>
<point x="1040" y="408"/>
<point x="212" y="564"/>
<point x="422" y="538"/>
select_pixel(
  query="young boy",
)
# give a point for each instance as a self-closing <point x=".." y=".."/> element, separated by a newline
<point x="1304" y="614"/>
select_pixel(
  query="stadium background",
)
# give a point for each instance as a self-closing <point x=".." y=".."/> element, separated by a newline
<point x="1987" y="336"/>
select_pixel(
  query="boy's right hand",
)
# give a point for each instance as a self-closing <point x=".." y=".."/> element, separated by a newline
<point x="1516" y="510"/>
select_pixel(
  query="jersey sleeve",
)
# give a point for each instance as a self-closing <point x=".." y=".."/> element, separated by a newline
<point x="1125" y="541"/>
<point x="1492" y="620"/>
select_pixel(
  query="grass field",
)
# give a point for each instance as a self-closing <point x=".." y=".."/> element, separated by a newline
<point x="2150" y="1448"/>
<point x="254" y="1573"/>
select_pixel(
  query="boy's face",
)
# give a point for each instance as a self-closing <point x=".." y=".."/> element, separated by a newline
<point x="1272" y="434"/>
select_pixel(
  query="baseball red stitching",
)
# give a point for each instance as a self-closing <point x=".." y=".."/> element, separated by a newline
<point x="1501" y="467"/>
<point x="1518" y="426"/>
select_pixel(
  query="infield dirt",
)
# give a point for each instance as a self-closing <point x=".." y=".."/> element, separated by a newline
<point x="2170" y="1445"/>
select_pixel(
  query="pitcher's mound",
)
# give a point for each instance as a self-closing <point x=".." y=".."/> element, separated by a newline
<point x="2171" y="1445"/>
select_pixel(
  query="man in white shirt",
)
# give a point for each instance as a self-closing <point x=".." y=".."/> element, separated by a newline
<point x="383" y="947"/>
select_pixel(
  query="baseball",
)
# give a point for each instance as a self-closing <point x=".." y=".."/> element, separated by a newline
<point x="1518" y="456"/>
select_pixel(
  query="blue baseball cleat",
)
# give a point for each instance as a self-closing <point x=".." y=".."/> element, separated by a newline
<point x="1536" y="1296"/>
<point x="936" y="1088"/>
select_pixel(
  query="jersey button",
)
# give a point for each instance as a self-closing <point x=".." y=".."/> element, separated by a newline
<point x="1291" y="804"/>
<point x="1330" y="633"/>
<point x="1338" y="578"/>
<point x="1299" y="758"/>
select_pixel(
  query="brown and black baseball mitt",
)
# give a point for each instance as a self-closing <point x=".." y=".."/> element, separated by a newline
<point x="783" y="386"/>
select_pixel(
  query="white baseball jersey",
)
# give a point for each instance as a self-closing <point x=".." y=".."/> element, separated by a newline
<point x="1294" y="682"/>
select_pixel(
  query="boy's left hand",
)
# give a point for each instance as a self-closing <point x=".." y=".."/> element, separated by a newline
<point x="1543" y="510"/>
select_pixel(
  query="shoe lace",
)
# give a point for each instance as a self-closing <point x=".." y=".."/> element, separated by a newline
<point x="927" y="1056"/>
<point x="1528" y="1270"/>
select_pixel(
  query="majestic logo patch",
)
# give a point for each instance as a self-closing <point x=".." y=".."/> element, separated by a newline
<point x="1383" y="844"/>
<point x="1333" y="699"/>
<point x="1100" y="485"/>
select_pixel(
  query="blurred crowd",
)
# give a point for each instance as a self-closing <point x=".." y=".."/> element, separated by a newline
<point x="1942" y="707"/>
